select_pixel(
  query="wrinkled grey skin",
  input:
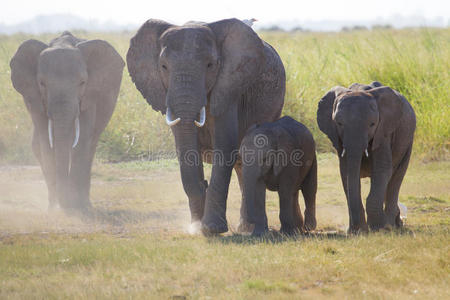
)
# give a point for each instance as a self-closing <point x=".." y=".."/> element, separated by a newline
<point x="379" y="119"/>
<point x="65" y="80"/>
<point x="224" y="66"/>
<point x="280" y="156"/>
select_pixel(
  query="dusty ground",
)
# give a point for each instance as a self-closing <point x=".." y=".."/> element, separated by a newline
<point x="133" y="197"/>
<point x="138" y="245"/>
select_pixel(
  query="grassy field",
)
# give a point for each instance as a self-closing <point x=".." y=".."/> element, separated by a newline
<point x="416" y="62"/>
<point x="138" y="243"/>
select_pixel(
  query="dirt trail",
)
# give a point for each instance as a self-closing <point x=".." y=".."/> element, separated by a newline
<point x="124" y="201"/>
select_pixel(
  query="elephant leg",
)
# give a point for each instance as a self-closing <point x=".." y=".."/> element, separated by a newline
<point x="288" y="220"/>
<point x="380" y="176"/>
<point x="244" y="224"/>
<point x="80" y="177"/>
<point x="260" y="216"/>
<point x="391" y="202"/>
<point x="44" y="154"/>
<point x="363" y="223"/>
<point x="198" y="196"/>
<point x="214" y="218"/>
<point x="297" y="213"/>
<point x="290" y="215"/>
<point x="81" y="163"/>
<point x="309" y="190"/>
<point x="226" y="150"/>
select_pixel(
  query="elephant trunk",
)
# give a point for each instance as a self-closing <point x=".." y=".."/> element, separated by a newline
<point x="186" y="101"/>
<point x="63" y="139"/>
<point x="354" y="190"/>
<point x="353" y="156"/>
<point x="191" y="167"/>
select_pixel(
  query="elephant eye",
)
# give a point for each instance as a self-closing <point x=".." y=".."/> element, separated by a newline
<point x="82" y="83"/>
<point x="372" y="124"/>
<point x="339" y="123"/>
<point x="210" y="65"/>
<point x="164" y="67"/>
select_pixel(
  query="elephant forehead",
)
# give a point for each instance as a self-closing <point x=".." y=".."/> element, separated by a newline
<point x="189" y="39"/>
<point x="356" y="100"/>
<point x="62" y="62"/>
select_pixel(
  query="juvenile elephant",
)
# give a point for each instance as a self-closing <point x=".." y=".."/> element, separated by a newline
<point x="372" y="128"/>
<point x="212" y="81"/>
<point x="280" y="156"/>
<point x="70" y="89"/>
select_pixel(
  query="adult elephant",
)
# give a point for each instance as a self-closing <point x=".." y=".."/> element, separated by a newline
<point x="70" y="89"/>
<point x="212" y="81"/>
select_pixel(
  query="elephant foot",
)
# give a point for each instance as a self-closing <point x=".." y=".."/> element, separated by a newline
<point x="291" y="230"/>
<point x="377" y="221"/>
<point x="259" y="233"/>
<point x="245" y="227"/>
<point x="214" y="220"/>
<point x="358" y="229"/>
<point x="260" y="230"/>
<point x="310" y="222"/>
<point x="213" y="228"/>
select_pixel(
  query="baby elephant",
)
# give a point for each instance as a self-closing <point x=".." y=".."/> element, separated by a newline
<point x="372" y="128"/>
<point x="279" y="156"/>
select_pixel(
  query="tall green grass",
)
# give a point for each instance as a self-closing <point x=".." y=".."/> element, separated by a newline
<point x="416" y="62"/>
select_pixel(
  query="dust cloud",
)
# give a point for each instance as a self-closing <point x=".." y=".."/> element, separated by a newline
<point x="139" y="201"/>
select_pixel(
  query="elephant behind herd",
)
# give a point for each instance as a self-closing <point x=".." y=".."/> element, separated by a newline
<point x="213" y="81"/>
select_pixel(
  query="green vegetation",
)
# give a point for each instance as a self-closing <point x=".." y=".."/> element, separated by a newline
<point x="415" y="62"/>
<point x="137" y="245"/>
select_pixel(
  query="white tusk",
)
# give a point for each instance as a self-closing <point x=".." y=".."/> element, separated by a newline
<point x="367" y="153"/>
<point x="202" y="118"/>
<point x="343" y="153"/>
<point x="50" y="133"/>
<point x="77" y="132"/>
<point x="169" y="119"/>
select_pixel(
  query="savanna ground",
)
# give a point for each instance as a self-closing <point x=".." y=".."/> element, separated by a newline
<point x="138" y="244"/>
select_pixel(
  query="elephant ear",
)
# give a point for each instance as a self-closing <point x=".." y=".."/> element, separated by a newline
<point x="24" y="66"/>
<point x="104" y="67"/>
<point x="390" y="108"/>
<point x="325" y="115"/>
<point x="142" y="61"/>
<point x="241" y="62"/>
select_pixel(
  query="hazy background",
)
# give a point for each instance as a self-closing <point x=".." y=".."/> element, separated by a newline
<point x="319" y="15"/>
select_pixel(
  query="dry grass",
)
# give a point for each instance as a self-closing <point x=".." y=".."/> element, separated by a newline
<point x="138" y="245"/>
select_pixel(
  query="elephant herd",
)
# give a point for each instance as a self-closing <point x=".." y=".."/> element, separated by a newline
<point x="222" y="91"/>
